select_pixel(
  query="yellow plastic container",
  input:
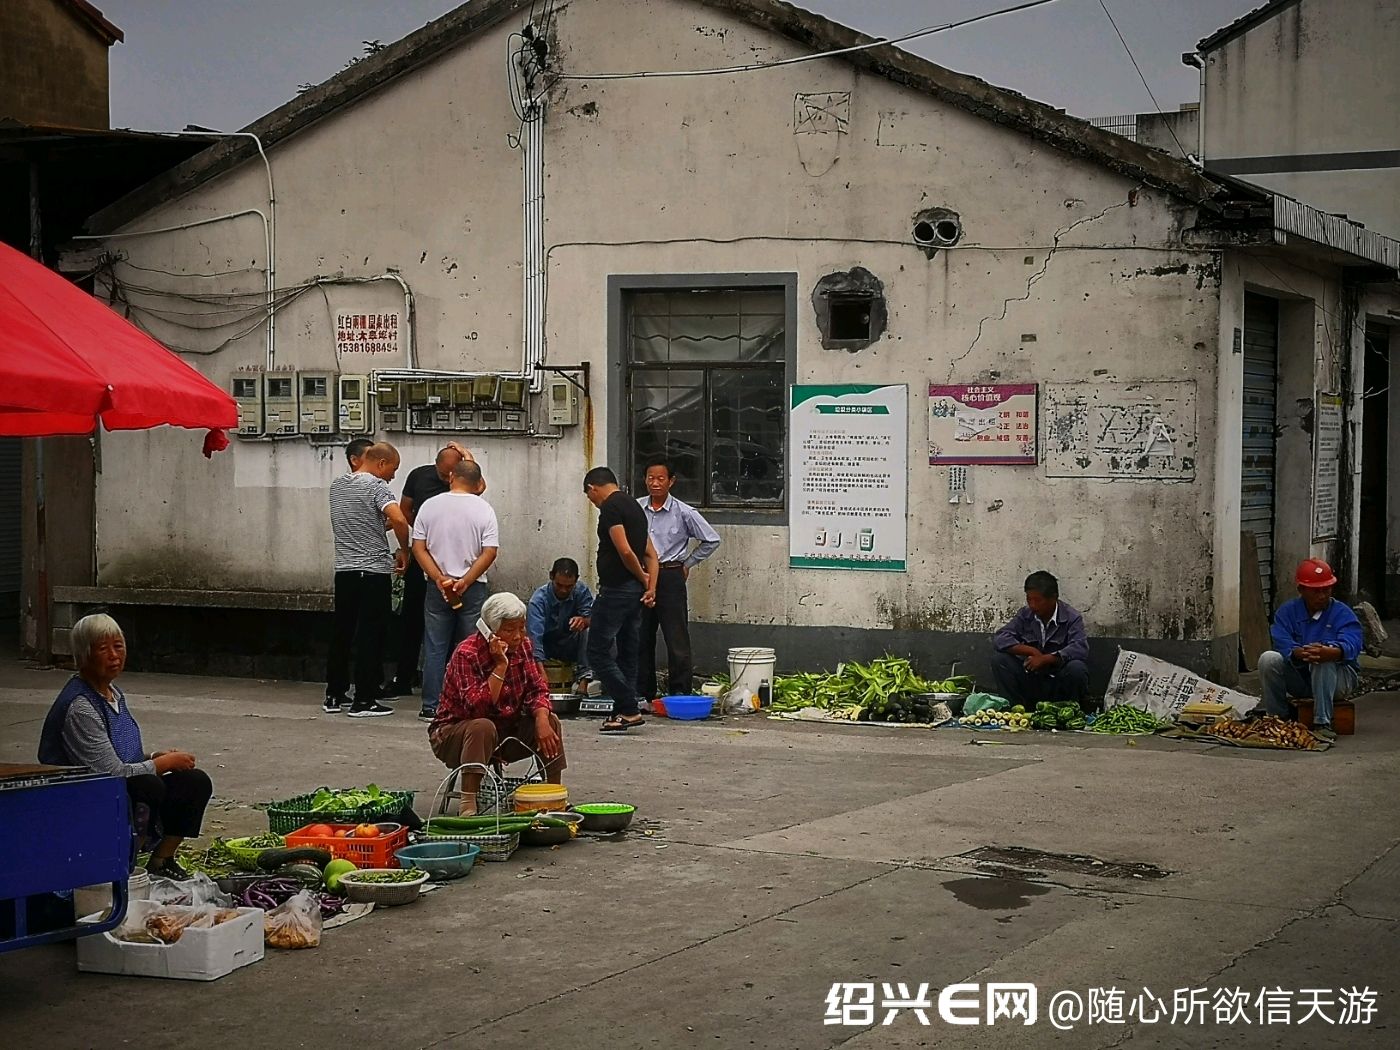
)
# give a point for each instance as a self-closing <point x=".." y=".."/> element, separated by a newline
<point x="530" y="797"/>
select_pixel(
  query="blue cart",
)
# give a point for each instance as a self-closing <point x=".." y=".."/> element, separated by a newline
<point x="62" y="828"/>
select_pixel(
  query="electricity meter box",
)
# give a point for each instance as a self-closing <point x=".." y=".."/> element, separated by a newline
<point x="389" y="399"/>
<point x="563" y="402"/>
<point x="316" y="402"/>
<point x="280" y="402"/>
<point x="486" y="390"/>
<point x="247" y="390"/>
<point x="352" y="404"/>
<point x="512" y="393"/>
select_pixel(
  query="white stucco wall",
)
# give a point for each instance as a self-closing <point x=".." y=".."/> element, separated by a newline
<point x="705" y="175"/>
<point x="1318" y="77"/>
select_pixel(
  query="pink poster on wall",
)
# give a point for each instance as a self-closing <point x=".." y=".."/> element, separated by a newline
<point x="992" y="424"/>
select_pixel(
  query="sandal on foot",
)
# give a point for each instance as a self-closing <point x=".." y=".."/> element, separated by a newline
<point x="618" y="724"/>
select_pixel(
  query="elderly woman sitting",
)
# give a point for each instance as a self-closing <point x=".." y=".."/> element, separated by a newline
<point x="494" y="689"/>
<point x="89" y="725"/>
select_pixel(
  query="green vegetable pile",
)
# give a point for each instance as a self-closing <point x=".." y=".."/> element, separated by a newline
<point x="406" y="875"/>
<point x="1014" y="721"/>
<point x="884" y="690"/>
<point x="1127" y="719"/>
<point x="327" y="801"/>
<point x="508" y="824"/>
<point x="1057" y="716"/>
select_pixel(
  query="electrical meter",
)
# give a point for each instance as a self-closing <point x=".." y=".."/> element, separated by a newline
<point x="388" y="397"/>
<point x="420" y="418"/>
<point x="514" y="419"/>
<point x="462" y="393"/>
<point x="316" y="402"/>
<point x="248" y="392"/>
<point x="512" y="393"/>
<point x="416" y="394"/>
<point x="466" y="418"/>
<point x="439" y="393"/>
<point x="444" y="418"/>
<point x="352" y="404"/>
<point x="280" y="402"/>
<point x="488" y="419"/>
<point x="485" y="390"/>
<point x="563" y="402"/>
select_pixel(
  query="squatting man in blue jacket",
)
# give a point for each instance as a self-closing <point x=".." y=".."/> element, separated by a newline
<point x="1042" y="653"/>
<point x="1317" y="640"/>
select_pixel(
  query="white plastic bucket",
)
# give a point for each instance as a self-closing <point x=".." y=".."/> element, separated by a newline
<point x="97" y="900"/>
<point x="751" y="668"/>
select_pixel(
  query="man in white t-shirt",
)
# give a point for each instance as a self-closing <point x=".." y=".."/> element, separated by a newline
<point x="455" y="539"/>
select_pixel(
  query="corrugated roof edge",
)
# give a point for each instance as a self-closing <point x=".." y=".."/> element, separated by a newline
<point x="1243" y="24"/>
<point x="998" y="105"/>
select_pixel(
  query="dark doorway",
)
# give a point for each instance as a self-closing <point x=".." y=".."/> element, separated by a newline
<point x="1375" y="466"/>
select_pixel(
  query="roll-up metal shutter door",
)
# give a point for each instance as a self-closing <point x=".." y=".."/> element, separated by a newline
<point x="1260" y="419"/>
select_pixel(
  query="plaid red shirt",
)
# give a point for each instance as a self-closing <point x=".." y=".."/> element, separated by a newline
<point x="466" y="689"/>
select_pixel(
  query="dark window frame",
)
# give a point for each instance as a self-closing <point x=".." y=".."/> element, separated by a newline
<point x="620" y="455"/>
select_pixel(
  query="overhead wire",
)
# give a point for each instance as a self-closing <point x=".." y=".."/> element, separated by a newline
<point x="755" y="66"/>
<point x="1155" y="104"/>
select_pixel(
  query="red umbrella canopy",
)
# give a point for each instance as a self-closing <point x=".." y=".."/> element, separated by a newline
<point x="67" y="360"/>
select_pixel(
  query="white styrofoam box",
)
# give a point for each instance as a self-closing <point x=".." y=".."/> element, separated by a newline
<point x="199" y="955"/>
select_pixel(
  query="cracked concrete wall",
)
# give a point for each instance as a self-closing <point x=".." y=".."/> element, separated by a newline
<point x="1067" y="273"/>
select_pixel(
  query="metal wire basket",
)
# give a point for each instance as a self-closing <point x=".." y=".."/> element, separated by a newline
<point x="494" y="847"/>
<point x="497" y="792"/>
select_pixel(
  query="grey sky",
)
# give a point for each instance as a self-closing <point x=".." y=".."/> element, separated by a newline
<point x="222" y="64"/>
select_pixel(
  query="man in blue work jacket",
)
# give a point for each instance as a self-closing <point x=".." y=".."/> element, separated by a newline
<point x="1042" y="654"/>
<point x="557" y="618"/>
<point x="1317" y="640"/>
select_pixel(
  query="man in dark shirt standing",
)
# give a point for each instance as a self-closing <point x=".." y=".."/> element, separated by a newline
<point x="1041" y="654"/>
<point x="627" y="572"/>
<point x="421" y="485"/>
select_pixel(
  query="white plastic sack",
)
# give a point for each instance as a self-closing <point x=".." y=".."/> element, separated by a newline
<point x="1163" y="689"/>
<point x="192" y="892"/>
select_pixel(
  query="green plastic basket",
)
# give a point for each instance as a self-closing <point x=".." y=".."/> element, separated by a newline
<point x="285" y="817"/>
<point x="246" y="857"/>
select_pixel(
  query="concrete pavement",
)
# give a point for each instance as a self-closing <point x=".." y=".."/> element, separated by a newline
<point x="782" y="858"/>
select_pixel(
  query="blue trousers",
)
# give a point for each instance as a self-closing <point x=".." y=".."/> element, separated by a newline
<point x="445" y="628"/>
<point x="1282" y="678"/>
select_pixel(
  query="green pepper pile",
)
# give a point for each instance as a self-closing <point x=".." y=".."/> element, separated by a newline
<point x="884" y="690"/>
<point x="1125" y="718"/>
<point x="1068" y="715"/>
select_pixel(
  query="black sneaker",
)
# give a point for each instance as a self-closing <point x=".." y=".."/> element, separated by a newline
<point x="1324" y="732"/>
<point x="333" y="705"/>
<point x="370" y="710"/>
<point x="424" y="715"/>
<point x="394" y="689"/>
<point x="169" y="869"/>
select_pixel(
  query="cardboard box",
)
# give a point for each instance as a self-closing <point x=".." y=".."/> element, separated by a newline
<point x="199" y="955"/>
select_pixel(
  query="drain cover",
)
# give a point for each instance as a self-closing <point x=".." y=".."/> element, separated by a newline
<point x="1032" y="863"/>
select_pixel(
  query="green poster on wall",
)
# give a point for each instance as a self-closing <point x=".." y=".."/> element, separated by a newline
<point x="848" y="446"/>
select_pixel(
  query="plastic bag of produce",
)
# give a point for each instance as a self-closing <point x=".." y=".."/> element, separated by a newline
<point x="200" y="889"/>
<point x="984" y="702"/>
<point x="165" y="925"/>
<point x="295" y="924"/>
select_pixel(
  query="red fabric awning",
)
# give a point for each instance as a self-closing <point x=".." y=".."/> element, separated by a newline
<point x="67" y="360"/>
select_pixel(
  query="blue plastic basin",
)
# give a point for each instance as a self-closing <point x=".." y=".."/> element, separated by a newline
<point x="441" y="860"/>
<point x="689" y="708"/>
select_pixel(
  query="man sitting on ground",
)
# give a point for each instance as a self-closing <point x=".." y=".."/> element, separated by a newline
<point x="558" y="618"/>
<point x="1317" y="640"/>
<point x="1041" y="654"/>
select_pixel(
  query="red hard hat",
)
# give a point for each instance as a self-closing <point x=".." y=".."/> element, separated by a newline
<point x="1315" y="573"/>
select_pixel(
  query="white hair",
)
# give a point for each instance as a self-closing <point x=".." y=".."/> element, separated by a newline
<point x="89" y="631"/>
<point x="502" y="607"/>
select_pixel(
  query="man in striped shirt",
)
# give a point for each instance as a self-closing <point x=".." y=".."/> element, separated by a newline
<point x="363" y="509"/>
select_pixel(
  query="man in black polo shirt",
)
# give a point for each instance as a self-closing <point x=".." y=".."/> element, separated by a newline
<point x="421" y="485"/>
<point x="627" y="572"/>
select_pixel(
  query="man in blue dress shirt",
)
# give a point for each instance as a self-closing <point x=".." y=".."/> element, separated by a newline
<point x="673" y="525"/>
<point x="557" y="618"/>
<point x="1042" y="653"/>
<point x="1317" y="640"/>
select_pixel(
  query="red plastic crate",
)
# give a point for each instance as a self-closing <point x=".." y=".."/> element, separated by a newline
<point x="364" y="853"/>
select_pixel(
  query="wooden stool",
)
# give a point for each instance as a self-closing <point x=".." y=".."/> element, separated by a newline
<point x="1343" y="715"/>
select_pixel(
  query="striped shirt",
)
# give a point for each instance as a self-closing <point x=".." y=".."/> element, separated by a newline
<point x="358" y="524"/>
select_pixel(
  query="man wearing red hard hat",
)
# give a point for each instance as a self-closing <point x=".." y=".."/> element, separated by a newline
<point x="1316" y="642"/>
